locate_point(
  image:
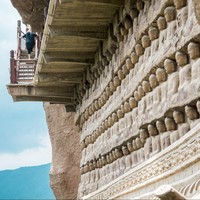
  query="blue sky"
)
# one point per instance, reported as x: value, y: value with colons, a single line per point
x: 24, y: 137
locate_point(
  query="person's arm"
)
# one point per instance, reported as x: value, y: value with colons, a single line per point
x: 23, y: 36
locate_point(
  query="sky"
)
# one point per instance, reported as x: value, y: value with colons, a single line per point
x: 24, y: 139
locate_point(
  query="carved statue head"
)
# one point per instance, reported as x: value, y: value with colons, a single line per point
x: 170, y: 65
x: 134, y: 144
x: 181, y: 58
x: 130, y: 146
x: 170, y: 124
x: 161, y: 75
x: 193, y: 50
x: 160, y: 126
x: 161, y: 22
x: 191, y: 112
x: 170, y: 13
x: 178, y: 117
x: 138, y: 143
x: 126, y: 107
x: 125, y: 150
x: 152, y: 130
x: 153, y: 80
x: 132, y: 102
x: 118, y: 153
x: 146, y: 86
x: 143, y: 135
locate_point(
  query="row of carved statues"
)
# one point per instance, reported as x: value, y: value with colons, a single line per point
x: 155, y: 35
x: 177, y: 76
x: 181, y: 58
x: 152, y: 138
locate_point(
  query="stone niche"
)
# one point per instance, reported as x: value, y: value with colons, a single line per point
x: 65, y: 170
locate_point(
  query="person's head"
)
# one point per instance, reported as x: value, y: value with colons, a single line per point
x: 27, y: 30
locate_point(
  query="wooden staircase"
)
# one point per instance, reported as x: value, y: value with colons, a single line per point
x: 22, y: 69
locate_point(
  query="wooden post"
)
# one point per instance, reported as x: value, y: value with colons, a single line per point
x: 13, y: 72
x: 45, y: 15
x: 18, y: 38
x: 36, y: 47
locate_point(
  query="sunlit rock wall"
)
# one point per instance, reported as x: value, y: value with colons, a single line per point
x: 65, y: 169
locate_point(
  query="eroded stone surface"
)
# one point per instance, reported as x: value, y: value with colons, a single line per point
x: 152, y: 94
x: 65, y: 171
x: 197, y: 9
x: 32, y: 12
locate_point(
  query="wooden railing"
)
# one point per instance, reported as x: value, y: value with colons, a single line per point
x: 23, y: 69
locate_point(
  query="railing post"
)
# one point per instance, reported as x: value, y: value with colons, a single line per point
x: 36, y: 47
x: 13, y: 72
x: 18, y: 38
x: 45, y: 15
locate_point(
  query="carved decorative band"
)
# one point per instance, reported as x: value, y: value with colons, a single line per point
x: 154, y: 137
x: 183, y: 153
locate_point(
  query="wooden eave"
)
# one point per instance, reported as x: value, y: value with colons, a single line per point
x: 72, y: 35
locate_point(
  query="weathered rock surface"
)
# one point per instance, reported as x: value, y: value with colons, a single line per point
x: 65, y: 171
x: 197, y: 9
x: 32, y: 12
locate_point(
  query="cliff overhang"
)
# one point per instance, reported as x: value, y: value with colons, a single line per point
x: 32, y: 12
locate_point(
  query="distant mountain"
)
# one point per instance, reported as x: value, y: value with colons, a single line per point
x: 26, y: 183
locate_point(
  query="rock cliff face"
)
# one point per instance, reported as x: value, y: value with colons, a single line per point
x: 65, y: 171
x: 32, y: 12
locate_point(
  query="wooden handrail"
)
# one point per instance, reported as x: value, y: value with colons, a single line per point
x: 23, y: 70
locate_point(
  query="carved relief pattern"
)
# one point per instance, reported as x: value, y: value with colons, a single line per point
x: 180, y: 156
x: 145, y: 89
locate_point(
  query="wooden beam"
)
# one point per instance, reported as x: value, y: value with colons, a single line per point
x: 71, y: 60
x: 95, y: 2
x: 30, y: 90
x: 62, y: 67
x: 82, y: 34
x: 57, y: 84
x: 53, y: 69
x: 68, y: 54
x: 60, y: 77
x: 54, y: 100
x: 77, y: 28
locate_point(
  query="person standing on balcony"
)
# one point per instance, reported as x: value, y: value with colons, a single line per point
x: 30, y: 41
